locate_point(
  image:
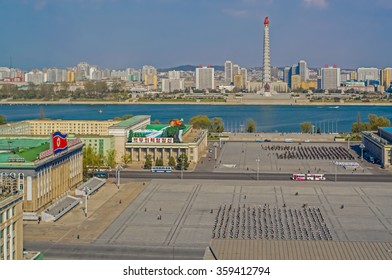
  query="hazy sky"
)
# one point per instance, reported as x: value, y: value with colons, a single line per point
x: 164, y: 33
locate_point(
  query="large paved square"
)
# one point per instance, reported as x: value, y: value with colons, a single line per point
x: 182, y: 212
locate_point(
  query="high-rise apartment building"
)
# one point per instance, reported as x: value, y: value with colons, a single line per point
x: 295, y: 82
x: 275, y: 73
x: 151, y: 80
x: 228, y: 71
x: 330, y: 78
x: 84, y: 69
x: 386, y: 75
x: 205, y: 78
x: 171, y: 85
x: 238, y: 81
x: 303, y: 70
x: 236, y: 70
x: 286, y: 75
x: 134, y: 75
x: 35, y: 77
x: 174, y: 75
x: 148, y: 70
x: 353, y: 75
x: 368, y: 74
x: 244, y: 74
x: 70, y: 76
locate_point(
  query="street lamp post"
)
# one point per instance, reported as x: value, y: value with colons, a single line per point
x: 118, y: 169
x: 348, y: 141
x: 85, y: 199
x: 258, y: 163
x: 215, y: 150
x: 362, y: 146
x: 182, y: 166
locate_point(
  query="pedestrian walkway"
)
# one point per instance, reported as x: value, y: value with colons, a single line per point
x: 103, y: 207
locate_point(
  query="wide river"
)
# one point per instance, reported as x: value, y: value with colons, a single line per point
x: 268, y: 118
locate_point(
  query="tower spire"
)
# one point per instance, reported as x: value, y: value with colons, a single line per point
x: 266, y: 58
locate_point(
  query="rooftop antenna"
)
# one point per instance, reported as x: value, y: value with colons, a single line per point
x: 10, y: 62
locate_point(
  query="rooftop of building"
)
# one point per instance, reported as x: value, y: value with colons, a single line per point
x: 75, y: 121
x: 131, y: 121
x: 22, y: 149
x: 161, y: 126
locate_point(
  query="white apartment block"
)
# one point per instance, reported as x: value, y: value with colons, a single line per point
x: 228, y: 71
x: 368, y: 73
x: 330, y: 78
x: 205, y: 78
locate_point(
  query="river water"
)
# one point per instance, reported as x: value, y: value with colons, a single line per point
x: 269, y: 118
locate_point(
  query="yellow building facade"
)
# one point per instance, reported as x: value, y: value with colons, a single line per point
x: 295, y: 82
x: 11, y: 221
x: 238, y: 81
x: 78, y: 127
x: 151, y: 80
x: 194, y: 145
x: 70, y: 76
x: 41, y: 174
x: 309, y: 84
x: 386, y: 74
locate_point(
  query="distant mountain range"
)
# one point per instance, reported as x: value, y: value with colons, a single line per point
x: 189, y: 68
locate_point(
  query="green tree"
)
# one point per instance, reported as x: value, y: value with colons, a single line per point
x: 3, y: 119
x: 47, y: 91
x: 110, y: 158
x: 200, y: 122
x: 182, y: 161
x: 158, y: 162
x: 64, y: 86
x: 101, y: 87
x: 374, y: 123
x: 89, y: 87
x: 216, y: 125
x: 172, y: 161
x: 148, y: 162
x: 126, y: 158
x: 9, y: 89
x: 306, y: 127
x: 127, y: 116
x: 155, y: 122
x: 91, y: 160
x: 116, y: 86
x: 250, y: 126
x: 378, y: 121
x: 130, y: 135
x: 358, y: 127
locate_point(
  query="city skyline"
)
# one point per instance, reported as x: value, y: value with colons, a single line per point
x: 166, y: 33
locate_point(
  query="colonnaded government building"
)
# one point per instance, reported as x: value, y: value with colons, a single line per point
x: 135, y: 136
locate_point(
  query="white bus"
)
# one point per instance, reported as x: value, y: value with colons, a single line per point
x: 161, y: 169
x: 298, y: 177
x: 315, y: 177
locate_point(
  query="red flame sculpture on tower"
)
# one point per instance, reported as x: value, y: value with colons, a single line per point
x: 266, y: 21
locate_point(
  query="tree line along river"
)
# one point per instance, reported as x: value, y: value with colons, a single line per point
x: 269, y: 118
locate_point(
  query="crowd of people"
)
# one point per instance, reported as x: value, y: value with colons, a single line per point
x: 309, y: 152
x: 270, y: 223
